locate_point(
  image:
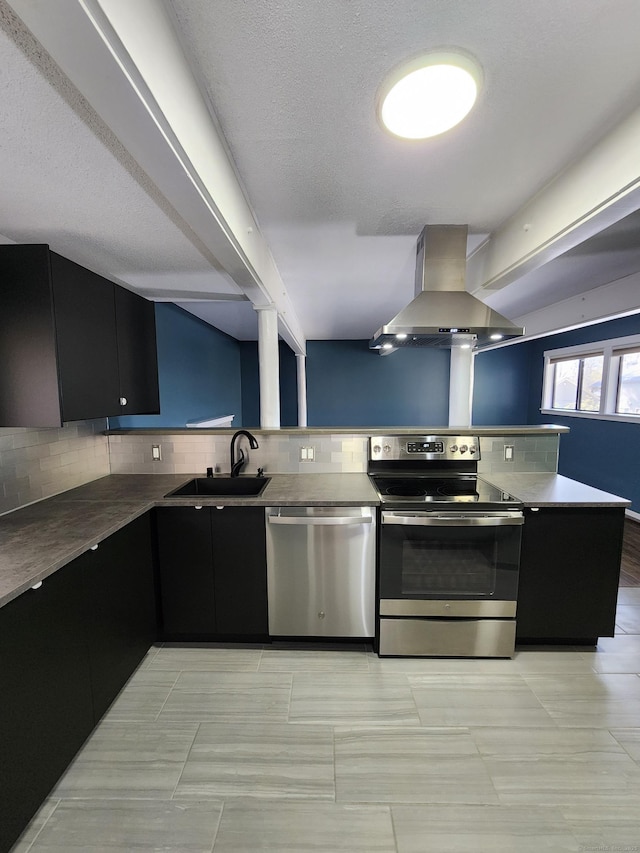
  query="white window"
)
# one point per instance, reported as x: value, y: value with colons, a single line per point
x: 598, y: 380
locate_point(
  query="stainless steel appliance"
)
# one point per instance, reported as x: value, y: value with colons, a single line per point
x: 321, y: 571
x: 449, y: 549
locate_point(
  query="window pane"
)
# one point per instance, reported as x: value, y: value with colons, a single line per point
x: 628, y: 402
x: 591, y: 383
x: 565, y: 384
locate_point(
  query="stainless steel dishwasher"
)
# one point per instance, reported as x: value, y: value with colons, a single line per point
x: 321, y: 571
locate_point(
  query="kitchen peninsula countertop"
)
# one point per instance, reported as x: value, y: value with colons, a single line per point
x: 38, y: 539
x: 553, y: 490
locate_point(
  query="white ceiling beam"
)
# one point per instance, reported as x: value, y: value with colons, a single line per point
x: 597, y: 190
x: 126, y: 60
x: 616, y: 299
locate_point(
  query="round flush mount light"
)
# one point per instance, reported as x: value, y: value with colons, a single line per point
x: 429, y: 94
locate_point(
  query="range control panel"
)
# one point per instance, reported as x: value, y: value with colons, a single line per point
x: 426, y: 447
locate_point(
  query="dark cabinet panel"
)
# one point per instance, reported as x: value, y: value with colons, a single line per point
x: 72, y: 344
x: 86, y: 337
x: 569, y: 571
x: 187, y: 592
x: 66, y: 650
x: 239, y: 561
x: 119, y: 585
x: 137, y: 354
x: 29, y: 394
x: 46, y: 710
x: 212, y: 569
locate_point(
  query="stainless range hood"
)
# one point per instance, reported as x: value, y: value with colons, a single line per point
x: 443, y: 314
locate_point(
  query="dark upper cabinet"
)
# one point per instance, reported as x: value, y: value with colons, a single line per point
x: 73, y: 346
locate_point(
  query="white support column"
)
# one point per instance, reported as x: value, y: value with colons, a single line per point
x: 301, y: 362
x: 268, y: 363
x: 460, y: 387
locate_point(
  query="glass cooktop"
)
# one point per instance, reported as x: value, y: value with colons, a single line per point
x: 418, y: 489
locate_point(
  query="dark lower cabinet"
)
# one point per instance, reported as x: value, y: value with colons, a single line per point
x: 46, y: 710
x: 569, y: 573
x: 66, y: 650
x: 187, y: 593
x: 212, y: 572
x: 120, y: 601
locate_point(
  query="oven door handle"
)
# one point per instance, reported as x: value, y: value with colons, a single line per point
x: 462, y: 520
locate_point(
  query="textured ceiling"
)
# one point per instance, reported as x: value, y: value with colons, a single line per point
x: 293, y: 85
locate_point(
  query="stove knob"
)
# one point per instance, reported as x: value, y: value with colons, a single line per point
x: 473, y: 448
x: 387, y: 448
x: 463, y: 448
x: 454, y: 448
x: 376, y: 448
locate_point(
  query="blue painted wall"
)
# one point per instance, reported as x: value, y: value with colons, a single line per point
x: 501, y: 387
x: 199, y: 371
x: 604, y: 454
x: 349, y: 385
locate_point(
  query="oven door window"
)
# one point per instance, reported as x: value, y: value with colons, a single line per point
x: 449, y: 562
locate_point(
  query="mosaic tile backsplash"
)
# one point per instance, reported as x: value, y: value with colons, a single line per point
x: 39, y: 463
x: 337, y: 453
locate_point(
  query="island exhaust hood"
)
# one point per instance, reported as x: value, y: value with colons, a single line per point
x: 443, y: 314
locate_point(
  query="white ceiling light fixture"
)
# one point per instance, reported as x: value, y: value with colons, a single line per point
x: 429, y: 94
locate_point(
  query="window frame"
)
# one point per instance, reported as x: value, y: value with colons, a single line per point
x: 612, y: 351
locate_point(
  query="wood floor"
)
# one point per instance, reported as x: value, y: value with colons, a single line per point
x: 630, y: 566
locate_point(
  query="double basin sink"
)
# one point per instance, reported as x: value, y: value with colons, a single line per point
x: 221, y: 487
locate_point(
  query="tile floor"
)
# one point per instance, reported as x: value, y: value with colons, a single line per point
x: 235, y: 750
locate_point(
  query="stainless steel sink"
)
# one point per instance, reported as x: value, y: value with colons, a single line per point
x: 221, y: 486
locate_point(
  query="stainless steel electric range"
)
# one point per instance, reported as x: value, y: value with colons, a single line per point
x: 449, y: 549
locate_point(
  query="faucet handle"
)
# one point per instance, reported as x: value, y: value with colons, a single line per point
x: 260, y: 472
x: 209, y: 472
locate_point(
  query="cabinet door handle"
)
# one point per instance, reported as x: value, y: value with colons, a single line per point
x: 94, y: 548
x: 123, y: 401
x: 197, y: 507
x: 219, y: 507
x: 535, y: 509
x: 37, y: 585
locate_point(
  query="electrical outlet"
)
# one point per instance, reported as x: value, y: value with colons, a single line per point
x: 508, y: 453
x: 307, y: 454
x: 156, y: 452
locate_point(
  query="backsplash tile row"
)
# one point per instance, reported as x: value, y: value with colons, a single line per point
x: 39, y: 463
x: 337, y: 453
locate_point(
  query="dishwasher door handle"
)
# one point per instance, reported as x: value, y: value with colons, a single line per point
x: 313, y: 520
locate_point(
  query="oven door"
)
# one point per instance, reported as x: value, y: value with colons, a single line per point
x: 449, y: 563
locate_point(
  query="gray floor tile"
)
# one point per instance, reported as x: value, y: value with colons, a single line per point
x: 260, y: 760
x: 481, y: 829
x: 410, y: 765
x: 304, y: 828
x: 629, y: 595
x: 126, y: 825
x: 557, y: 766
x: 230, y: 696
x: 602, y: 700
x: 352, y: 698
x: 611, y: 828
x: 628, y: 618
x: 23, y: 845
x: 144, y: 695
x: 611, y: 662
x: 299, y: 660
x: 629, y: 739
x: 122, y: 760
x: 476, y: 700
x: 215, y: 658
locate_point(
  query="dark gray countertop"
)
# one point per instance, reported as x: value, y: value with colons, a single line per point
x: 553, y: 490
x: 38, y: 539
